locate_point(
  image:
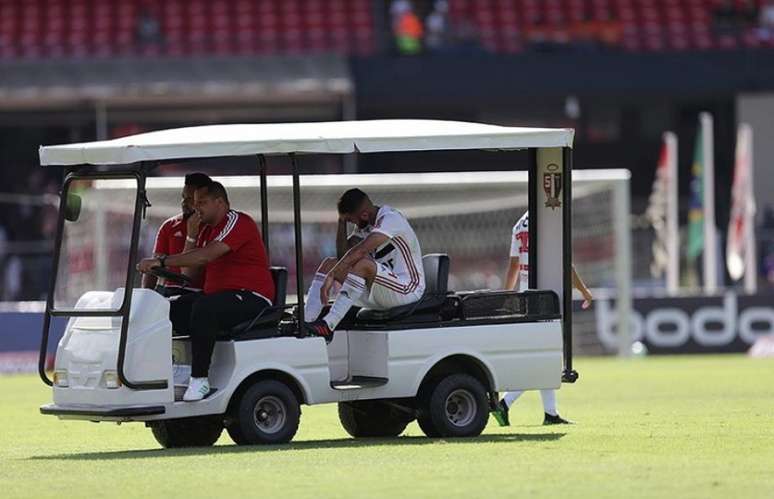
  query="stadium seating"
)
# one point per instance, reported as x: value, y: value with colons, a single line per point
x: 633, y: 25
x: 106, y: 28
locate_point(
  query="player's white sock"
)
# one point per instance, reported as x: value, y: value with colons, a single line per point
x: 354, y: 286
x: 313, y: 305
x: 549, y: 401
x: 511, y: 397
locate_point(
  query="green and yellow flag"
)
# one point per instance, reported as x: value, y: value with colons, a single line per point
x: 696, y: 209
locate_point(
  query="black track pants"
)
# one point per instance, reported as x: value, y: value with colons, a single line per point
x: 204, y: 316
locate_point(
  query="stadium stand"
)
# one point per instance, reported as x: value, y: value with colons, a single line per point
x: 106, y: 28
x: 632, y: 25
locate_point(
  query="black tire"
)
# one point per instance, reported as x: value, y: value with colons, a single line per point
x: 267, y: 413
x: 458, y: 406
x: 187, y: 432
x: 426, y: 425
x: 424, y: 420
x: 235, y: 432
x: 372, y: 418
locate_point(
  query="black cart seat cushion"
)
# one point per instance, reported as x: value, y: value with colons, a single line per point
x: 270, y: 317
x: 436, y: 266
x: 280, y: 277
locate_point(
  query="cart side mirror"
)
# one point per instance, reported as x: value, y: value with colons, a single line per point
x: 72, y: 209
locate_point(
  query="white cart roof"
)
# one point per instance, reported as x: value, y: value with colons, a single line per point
x: 333, y: 137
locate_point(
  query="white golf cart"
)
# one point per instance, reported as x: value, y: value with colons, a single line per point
x: 440, y: 361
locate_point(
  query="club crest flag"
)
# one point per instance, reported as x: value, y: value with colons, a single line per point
x: 739, y: 239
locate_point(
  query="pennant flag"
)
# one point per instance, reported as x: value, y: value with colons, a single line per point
x: 740, y: 238
x: 657, y: 213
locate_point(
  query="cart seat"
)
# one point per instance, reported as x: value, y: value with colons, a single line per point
x: 264, y: 324
x: 436, y: 266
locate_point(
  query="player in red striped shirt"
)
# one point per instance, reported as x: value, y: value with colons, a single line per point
x: 379, y: 266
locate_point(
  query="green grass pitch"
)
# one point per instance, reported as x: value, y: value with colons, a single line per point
x: 652, y: 427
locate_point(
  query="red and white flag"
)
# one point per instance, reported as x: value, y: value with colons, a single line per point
x: 662, y: 214
x: 740, y: 243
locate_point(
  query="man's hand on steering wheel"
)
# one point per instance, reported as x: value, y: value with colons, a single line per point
x: 154, y: 266
x: 146, y: 264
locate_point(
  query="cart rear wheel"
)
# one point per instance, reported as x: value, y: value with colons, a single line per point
x: 456, y: 407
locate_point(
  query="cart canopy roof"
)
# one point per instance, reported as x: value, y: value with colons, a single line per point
x: 332, y: 137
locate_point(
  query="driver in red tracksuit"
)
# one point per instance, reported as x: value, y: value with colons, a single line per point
x: 237, y: 281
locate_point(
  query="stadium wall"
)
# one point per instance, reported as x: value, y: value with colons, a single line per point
x: 20, y: 340
x: 727, y: 323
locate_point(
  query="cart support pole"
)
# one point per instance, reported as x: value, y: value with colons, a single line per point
x: 299, y: 245
x: 43, y: 354
x: 569, y: 375
x: 264, y: 204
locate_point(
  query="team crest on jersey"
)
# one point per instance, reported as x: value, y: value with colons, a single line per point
x: 552, y: 185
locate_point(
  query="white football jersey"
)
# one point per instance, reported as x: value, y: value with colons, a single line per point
x: 401, y: 255
x: 520, y: 249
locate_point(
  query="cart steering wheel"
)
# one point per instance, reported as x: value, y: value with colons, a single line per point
x: 168, y: 274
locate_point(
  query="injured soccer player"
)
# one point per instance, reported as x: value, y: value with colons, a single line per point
x: 379, y: 266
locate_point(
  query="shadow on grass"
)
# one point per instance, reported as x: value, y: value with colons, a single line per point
x: 342, y: 443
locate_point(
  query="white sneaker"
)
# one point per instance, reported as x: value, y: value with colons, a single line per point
x: 180, y: 374
x: 198, y: 388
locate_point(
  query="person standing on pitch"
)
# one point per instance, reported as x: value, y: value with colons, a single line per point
x: 518, y: 273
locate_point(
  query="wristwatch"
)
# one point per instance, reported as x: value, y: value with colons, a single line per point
x: 162, y: 259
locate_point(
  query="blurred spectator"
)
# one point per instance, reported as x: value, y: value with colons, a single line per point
x: 148, y: 28
x: 399, y: 7
x: 766, y: 21
x: 748, y: 13
x: 725, y: 12
x: 437, y: 26
x: 466, y: 37
x: 12, y: 279
x: 406, y: 27
x: 731, y: 19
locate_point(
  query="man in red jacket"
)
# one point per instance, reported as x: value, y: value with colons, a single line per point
x: 237, y: 281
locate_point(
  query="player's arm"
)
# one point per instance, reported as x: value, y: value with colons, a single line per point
x: 198, y: 257
x: 578, y: 284
x: 357, y: 253
x: 344, y: 243
x: 512, y: 276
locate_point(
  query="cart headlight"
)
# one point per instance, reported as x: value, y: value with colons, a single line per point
x: 60, y: 379
x: 112, y: 380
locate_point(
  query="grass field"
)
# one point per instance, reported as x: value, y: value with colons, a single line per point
x: 655, y: 427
